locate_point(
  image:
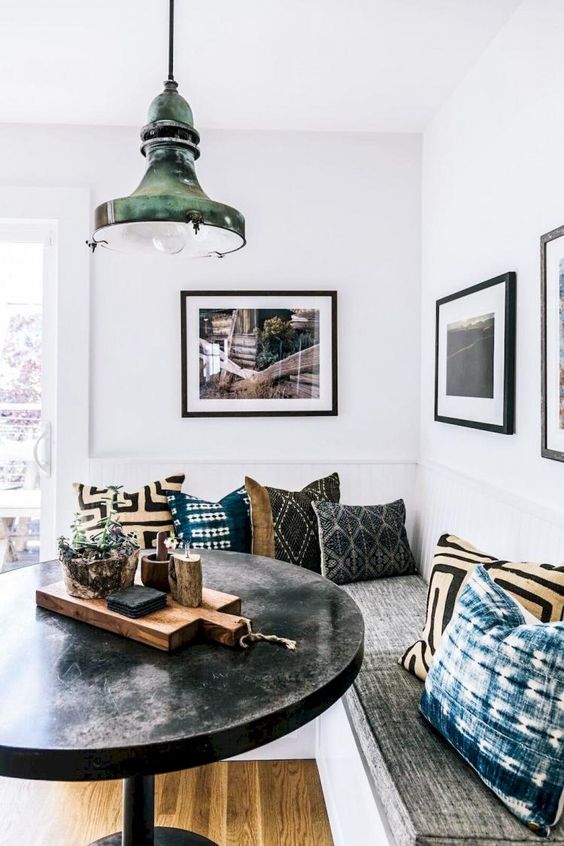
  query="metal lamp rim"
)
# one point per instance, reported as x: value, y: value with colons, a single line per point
x: 101, y: 242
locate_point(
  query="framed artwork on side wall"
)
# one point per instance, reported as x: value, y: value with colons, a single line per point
x: 475, y: 356
x: 552, y: 339
x: 259, y: 353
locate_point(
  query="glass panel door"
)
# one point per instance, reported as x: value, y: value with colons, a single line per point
x: 24, y: 432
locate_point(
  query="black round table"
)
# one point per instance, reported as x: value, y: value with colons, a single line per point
x: 81, y: 704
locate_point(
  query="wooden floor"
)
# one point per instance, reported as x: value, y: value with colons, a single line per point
x: 254, y: 803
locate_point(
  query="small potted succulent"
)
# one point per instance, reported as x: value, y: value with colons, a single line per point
x: 98, y: 565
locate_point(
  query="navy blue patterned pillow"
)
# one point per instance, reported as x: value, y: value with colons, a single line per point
x: 213, y: 525
x: 495, y: 690
x: 362, y: 542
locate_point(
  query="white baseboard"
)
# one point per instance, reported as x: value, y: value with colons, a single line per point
x: 363, y: 482
x: 354, y: 814
x: 298, y: 745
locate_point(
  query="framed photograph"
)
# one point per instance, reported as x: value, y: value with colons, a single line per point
x: 475, y: 356
x: 552, y: 344
x: 259, y: 353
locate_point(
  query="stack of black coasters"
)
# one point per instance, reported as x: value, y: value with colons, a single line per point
x: 136, y: 601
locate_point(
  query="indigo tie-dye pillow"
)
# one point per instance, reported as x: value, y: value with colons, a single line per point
x: 495, y: 690
x: 213, y: 525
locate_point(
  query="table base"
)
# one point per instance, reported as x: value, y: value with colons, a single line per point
x: 163, y: 837
x: 139, y: 820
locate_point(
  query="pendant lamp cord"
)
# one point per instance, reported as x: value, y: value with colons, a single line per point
x: 171, y: 40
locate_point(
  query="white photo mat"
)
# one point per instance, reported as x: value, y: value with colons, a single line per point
x: 486, y: 301
x: 324, y: 303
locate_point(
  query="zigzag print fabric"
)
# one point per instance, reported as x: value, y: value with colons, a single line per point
x: 496, y: 692
x: 538, y: 587
x: 144, y: 512
x: 284, y: 523
x: 213, y: 525
x: 361, y: 542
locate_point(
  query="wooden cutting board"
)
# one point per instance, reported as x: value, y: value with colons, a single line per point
x: 174, y: 626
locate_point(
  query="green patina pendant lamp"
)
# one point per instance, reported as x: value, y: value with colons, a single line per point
x: 169, y: 212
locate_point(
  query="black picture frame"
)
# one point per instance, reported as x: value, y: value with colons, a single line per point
x: 507, y: 427
x: 546, y: 451
x: 330, y: 412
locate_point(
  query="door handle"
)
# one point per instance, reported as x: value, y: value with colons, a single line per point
x: 45, y: 436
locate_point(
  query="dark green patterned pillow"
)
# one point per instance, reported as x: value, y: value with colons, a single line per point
x: 284, y: 523
x: 362, y: 542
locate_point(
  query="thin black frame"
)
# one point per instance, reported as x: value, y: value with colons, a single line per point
x: 332, y: 412
x: 508, y: 425
x: 546, y: 452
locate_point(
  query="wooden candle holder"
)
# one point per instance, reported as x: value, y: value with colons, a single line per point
x: 185, y: 579
x: 154, y: 567
x: 154, y: 573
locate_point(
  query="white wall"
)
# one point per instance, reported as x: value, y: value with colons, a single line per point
x: 493, y: 176
x: 333, y: 211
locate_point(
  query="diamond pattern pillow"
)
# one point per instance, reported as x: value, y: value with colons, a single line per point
x: 496, y: 692
x: 284, y: 524
x: 362, y: 542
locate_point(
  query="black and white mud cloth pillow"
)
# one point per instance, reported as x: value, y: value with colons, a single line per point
x: 538, y: 587
x: 362, y: 542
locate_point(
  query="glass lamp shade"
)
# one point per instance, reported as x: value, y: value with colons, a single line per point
x: 169, y: 211
x: 169, y: 237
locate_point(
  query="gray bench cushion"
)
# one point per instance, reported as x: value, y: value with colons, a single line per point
x: 430, y: 795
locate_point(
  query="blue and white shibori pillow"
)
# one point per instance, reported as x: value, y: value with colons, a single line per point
x: 213, y: 525
x: 495, y: 690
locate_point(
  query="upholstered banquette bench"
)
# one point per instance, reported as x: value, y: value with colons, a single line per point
x: 428, y: 794
x: 389, y: 779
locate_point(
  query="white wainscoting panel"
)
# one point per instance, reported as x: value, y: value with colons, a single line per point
x: 491, y: 518
x: 362, y: 482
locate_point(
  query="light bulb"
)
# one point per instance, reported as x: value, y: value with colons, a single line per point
x: 170, y: 238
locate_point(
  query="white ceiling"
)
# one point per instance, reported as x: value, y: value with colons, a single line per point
x: 358, y: 65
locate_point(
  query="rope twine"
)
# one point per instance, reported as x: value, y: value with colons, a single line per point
x: 253, y: 637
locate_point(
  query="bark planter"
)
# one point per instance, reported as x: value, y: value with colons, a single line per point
x: 96, y: 578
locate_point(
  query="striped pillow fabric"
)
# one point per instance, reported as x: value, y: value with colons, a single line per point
x: 538, y: 587
x: 495, y: 691
x: 144, y: 512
